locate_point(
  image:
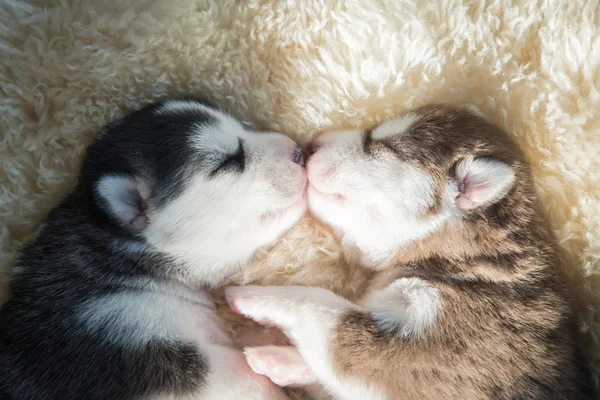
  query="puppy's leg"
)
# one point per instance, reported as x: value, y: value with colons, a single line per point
x: 309, y: 316
x: 305, y: 314
x: 312, y: 317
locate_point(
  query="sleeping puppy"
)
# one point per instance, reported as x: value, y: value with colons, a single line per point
x: 468, y: 302
x: 108, y: 298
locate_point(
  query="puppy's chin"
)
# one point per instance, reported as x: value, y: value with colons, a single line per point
x: 326, y: 209
x: 283, y: 219
x: 296, y: 211
x: 322, y: 206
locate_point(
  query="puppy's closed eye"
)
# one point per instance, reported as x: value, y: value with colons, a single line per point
x: 235, y: 162
x: 374, y: 147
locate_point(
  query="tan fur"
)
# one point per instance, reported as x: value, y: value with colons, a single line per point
x: 506, y: 322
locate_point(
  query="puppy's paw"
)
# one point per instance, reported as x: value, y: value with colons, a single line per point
x: 301, y: 312
x: 259, y: 304
x: 282, y: 364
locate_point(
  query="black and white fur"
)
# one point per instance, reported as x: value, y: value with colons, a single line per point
x: 108, y: 299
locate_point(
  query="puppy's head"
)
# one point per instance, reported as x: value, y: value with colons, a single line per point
x: 394, y: 184
x: 190, y: 181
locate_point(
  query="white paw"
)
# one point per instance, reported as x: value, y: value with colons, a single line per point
x: 261, y: 304
x: 303, y: 313
x: 409, y: 304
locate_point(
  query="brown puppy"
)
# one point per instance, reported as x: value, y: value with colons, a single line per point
x: 468, y: 302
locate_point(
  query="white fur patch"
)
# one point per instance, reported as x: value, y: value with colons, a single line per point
x: 395, y: 126
x: 408, y: 304
x: 212, y: 137
x: 175, y: 106
x: 131, y: 318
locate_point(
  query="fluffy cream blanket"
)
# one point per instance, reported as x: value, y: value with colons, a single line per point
x: 533, y: 67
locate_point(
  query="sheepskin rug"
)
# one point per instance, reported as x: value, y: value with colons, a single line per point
x: 299, y: 67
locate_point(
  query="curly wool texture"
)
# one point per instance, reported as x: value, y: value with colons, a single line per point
x: 301, y: 67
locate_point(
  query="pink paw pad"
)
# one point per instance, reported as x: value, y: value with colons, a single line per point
x: 282, y: 364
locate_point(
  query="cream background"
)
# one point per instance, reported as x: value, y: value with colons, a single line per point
x: 69, y: 67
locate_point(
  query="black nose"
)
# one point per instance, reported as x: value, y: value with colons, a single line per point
x: 298, y: 157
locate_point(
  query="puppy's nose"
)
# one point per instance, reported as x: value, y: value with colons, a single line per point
x: 298, y: 156
x: 313, y: 147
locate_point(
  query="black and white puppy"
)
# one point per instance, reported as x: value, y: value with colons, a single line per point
x: 108, y: 298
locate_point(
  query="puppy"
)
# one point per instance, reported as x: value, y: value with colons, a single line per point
x: 108, y: 298
x: 468, y: 302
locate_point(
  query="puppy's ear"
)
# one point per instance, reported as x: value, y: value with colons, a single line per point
x: 481, y: 181
x: 126, y: 199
